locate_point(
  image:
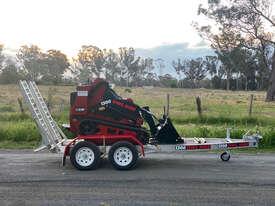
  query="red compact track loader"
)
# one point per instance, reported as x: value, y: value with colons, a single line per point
x: 97, y: 110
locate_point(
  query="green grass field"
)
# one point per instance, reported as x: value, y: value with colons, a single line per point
x: 221, y: 109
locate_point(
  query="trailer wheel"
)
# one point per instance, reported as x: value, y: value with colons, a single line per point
x: 123, y: 155
x: 225, y: 156
x: 85, y: 156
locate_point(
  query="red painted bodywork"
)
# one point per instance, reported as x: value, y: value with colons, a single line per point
x: 95, y: 91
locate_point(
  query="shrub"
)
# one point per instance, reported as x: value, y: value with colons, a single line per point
x: 128, y: 90
x: 6, y: 108
x: 19, y: 132
x: 14, y: 116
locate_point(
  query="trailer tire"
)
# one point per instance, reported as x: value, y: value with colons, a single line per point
x: 85, y: 156
x: 225, y: 156
x: 123, y: 155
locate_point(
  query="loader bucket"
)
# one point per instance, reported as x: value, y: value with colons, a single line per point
x: 164, y: 131
x: 168, y: 134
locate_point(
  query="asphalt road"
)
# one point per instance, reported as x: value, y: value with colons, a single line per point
x: 28, y: 178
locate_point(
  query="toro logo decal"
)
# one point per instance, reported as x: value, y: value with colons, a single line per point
x: 179, y: 147
x: 131, y: 108
x: 105, y: 102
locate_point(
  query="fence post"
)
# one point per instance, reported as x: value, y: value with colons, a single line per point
x: 20, y: 105
x: 250, y: 104
x: 167, y: 104
x: 198, y: 102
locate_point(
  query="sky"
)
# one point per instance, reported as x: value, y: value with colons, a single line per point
x: 68, y: 24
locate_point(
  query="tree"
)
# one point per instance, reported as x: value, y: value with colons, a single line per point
x: 2, y: 57
x: 10, y: 74
x: 168, y: 81
x: 262, y: 72
x: 111, y: 65
x: 160, y: 64
x: 129, y: 63
x: 233, y: 61
x: 211, y: 64
x: 57, y: 63
x: 151, y: 79
x: 144, y: 69
x: 194, y: 69
x: 91, y: 59
x: 178, y: 66
x: 32, y: 61
x: 252, y: 22
x: 224, y: 43
x: 215, y: 69
x: 246, y: 68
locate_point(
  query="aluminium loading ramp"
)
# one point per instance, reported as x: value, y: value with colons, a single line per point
x: 52, y: 135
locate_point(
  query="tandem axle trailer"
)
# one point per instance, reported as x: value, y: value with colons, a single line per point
x: 122, y: 150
